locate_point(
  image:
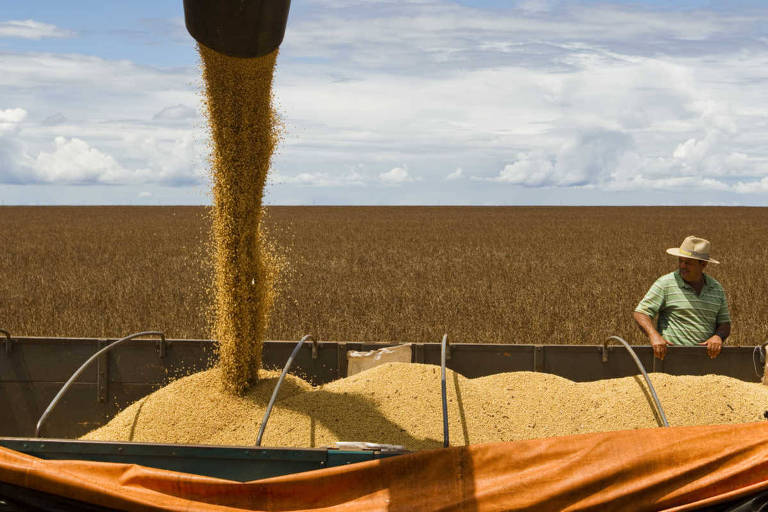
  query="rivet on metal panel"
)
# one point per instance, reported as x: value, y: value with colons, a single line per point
x: 8, y: 341
x: 538, y: 358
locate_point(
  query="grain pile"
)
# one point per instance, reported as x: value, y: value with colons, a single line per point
x: 244, y: 132
x: 399, y: 403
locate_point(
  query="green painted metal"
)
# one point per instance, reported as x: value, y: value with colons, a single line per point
x: 240, y: 463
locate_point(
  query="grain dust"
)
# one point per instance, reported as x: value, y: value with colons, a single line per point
x: 400, y: 403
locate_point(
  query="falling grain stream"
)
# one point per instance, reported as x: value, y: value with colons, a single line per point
x: 244, y: 132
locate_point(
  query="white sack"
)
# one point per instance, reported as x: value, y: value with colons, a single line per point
x: 359, y: 361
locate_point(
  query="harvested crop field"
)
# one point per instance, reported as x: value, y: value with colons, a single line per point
x: 481, y: 274
x: 399, y: 403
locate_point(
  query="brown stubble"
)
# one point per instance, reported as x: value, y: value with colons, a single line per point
x: 244, y: 132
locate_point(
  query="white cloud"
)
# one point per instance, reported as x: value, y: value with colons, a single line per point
x: 319, y: 179
x: 54, y: 119
x: 675, y: 183
x: 90, y: 88
x: 145, y: 194
x: 176, y: 161
x: 10, y: 146
x: 176, y: 112
x: 572, y: 100
x: 710, y: 156
x: 396, y: 176
x: 74, y: 161
x: 98, y: 122
x: 10, y: 119
x: 533, y: 169
x: 425, y: 34
x: 610, y: 161
x: 534, y: 6
x: 753, y: 187
x: 692, y: 150
x: 587, y: 160
x: 31, y: 29
x: 455, y: 175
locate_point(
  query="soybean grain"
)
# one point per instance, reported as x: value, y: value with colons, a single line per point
x: 399, y: 403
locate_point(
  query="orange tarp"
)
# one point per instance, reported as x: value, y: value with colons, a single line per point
x: 654, y: 469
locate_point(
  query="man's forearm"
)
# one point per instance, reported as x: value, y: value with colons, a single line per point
x: 723, y: 330
x: 645, y: 323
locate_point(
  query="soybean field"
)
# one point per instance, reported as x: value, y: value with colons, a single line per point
x: 566, y: 275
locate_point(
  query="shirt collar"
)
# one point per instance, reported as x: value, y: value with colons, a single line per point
x: 682, y: 284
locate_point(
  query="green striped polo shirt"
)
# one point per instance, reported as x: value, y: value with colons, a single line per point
x: 684, y: 317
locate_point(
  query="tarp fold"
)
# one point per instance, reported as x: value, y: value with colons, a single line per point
x: 674, y: 469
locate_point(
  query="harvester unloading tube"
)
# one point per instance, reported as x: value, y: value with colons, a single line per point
x: 238, y: 28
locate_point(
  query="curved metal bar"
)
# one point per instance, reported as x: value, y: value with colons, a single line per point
x: 82, y: 368
x: 443, y: 390
x: 759, y: 349
x: 645, y: 375
x: 277, y: 387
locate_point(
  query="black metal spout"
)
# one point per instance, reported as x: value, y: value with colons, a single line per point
x: 238, y: 28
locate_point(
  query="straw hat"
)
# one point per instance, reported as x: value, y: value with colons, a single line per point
x: 693, y: 247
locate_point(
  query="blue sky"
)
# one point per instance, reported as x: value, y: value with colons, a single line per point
x: 400, y: 102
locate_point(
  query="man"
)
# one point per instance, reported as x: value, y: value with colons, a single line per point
x: 691, y: 306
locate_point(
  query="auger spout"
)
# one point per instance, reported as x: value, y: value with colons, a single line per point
x: 238, y: 28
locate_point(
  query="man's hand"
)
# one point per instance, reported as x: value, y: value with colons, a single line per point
x: 659, y: 345
x: 658, y: 342
x: 714, y: 344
